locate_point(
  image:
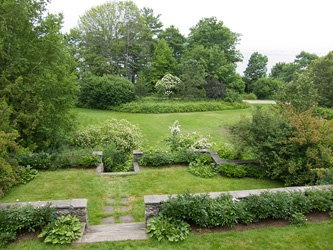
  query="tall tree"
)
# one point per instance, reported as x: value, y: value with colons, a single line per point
x: 209, y: 32
x: 36, y: 84
x: 163, y: 62
x: 113, y: 38
x: 214, y: 46
x: 175, y: 40
x: 256, y: 68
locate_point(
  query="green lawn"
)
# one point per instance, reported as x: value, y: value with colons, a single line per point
x: 155, y: 126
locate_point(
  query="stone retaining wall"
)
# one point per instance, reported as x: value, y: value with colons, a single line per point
x: 75, y: 207
x: 153, y: 202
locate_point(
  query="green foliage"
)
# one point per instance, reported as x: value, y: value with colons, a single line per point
x: 163, y: 158
x: 225, y: 151
x: 193, y: 79
x: 232, y: 170
x: 298, y: 219
x: 163, y: 62
x: 105, y: 91
x: 202, y: 168
x: 266, y: 88
x: 175, y: 41
x: 23, y: 218
x: 36, y: 75
x: 321, y: 72
x: 176, y: 106
x: 300, y: 92
x: 256, y: 69
x: 250, y: 96
x: 125, y: 50
x: 26, y: 174
x: 124, y: 135
x: 62, y: 231
x: 216, y: 89
x: 233, y: 96
x: 325, y: 113
x: 292, y: 147
x: 8, y: 165
x: 114, y: 159
x: 226, y: 211
x: 326, y: 178
x: 162, y: 227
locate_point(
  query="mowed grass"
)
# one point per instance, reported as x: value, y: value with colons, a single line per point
x: 155, y: 127
x: 313, y: 236
x: 81, y: 183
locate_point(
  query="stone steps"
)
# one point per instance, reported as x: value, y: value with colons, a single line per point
x: 114, y: 232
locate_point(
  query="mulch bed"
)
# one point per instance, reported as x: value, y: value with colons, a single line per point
x: 312, y: 217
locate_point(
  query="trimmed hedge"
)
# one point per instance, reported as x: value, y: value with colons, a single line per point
x: 176, y: 106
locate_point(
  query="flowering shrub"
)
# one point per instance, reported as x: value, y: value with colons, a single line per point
x: 178, y: 141
x: 123, y: 134
x: 168, y: 85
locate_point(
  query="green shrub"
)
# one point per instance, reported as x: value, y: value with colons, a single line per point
x: 124, y: 135
x: 249, y: 96
x: 26, y: 174
x: 114, y: 159
x: 292, y: 147
x: 176, y: 106
x: 254, y: 171
x: 62, y: 231
x: 298, y: 219
x: 23, y: 218
x: 104, y: 92
x: 320, y: 200
x: 225, y: 151
x: 232, y: 170
x: 6, y: 238
x: 327, y: 178
x: 325, y: 113
x: 202, y: 168
x: 42, y: 161
x: 162, y: 227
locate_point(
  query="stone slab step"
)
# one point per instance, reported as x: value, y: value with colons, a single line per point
x: 114, y: 232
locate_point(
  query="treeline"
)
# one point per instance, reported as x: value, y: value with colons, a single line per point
x: 306, y: 82
x: 118, y: 38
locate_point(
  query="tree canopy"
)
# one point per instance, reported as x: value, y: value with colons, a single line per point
x: 37, y: 82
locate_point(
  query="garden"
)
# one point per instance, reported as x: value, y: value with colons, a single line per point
x: 68, y: 108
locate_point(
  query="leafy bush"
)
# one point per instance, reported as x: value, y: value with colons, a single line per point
x: 42, y: 160
x: 249, y: 96
x: 232, y: 170
x: 292, y: 147
x: 168, y: 85
x: 225, y: 151
x: 325, y: 113
x: 202, y: 168
x: 226, y: 211
x: 113, y: 159
x: 254, y: 171
x: 124, y: 135
x: 106, y: 91
x: 26, y: 174
x: 326, y: 178
x: 162, y: 227
x: 176, y: 106
x: 23, y: 218
x: 298, y: 219
x: 8, y: 165
x: 62, y: 231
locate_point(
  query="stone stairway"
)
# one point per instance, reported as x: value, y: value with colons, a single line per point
x: 114, y: 232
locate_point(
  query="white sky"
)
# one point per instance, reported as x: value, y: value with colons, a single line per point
x: 279, y: 29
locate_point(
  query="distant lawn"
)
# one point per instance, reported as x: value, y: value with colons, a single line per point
x: 81, y: 183
x: 155, y: 126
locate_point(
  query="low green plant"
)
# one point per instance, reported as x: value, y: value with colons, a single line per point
x: 225, y: 151
x: 114, y: 159
x: 161, y: 227
x: 176, y: 106
x: 298, y: 219
x: 163, y: 158
x: 232, y: 170
x: 6, y: 238
x: 24, y: 218
x: 26, y: 174
x: 202, y: 169
x: 62, y: 231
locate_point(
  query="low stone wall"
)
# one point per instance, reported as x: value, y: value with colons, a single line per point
x: 75, y: 207
x: 153, y: 202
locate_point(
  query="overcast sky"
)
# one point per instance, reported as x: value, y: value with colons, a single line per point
x: 279, y: 29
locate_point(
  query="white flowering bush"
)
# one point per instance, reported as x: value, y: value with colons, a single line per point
x: 177, y: 141
x: 168, y: 85
x: 124, y: 135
